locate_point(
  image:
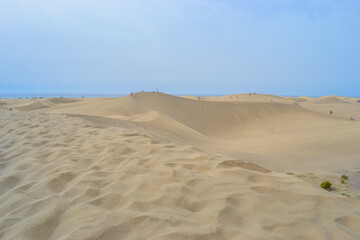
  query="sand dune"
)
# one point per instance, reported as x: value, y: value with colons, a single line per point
x: 330, y: 99
x: 214, y: 119
x: 156, y: 166
x: 283, y: 134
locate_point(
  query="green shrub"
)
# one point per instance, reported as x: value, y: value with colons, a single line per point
x: 344, y: 177
x: 289, y: 173
x: 342, y: 181
x: 326, y: 185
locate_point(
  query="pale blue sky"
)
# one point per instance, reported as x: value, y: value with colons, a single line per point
x: 284, y: 47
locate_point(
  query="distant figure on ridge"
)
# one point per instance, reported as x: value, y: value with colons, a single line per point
x: 132, y: 94
x: 330, y: 112
x: 352, y: 118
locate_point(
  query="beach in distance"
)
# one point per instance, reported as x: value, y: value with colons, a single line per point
x: 150, y: 165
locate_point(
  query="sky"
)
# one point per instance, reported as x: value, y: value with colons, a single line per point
x: 282, y: 47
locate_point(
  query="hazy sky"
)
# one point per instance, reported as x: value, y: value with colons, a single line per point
x: 285, y: 47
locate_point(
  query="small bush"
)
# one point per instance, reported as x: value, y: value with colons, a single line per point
x: 326, y: 185
x: 342, y: 181
x: 289, y: 173
x: 344, y: 177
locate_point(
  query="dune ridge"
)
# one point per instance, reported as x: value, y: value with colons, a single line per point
x: 277, y: 134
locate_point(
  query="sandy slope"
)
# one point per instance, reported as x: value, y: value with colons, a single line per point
x: 155, y: 166
x: 283, y: 134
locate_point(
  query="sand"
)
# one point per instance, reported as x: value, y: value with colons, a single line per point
x: 156, y: 166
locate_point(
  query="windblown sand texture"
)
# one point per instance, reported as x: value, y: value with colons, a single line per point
x: 156, y: 166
